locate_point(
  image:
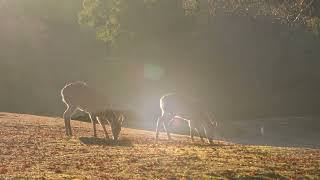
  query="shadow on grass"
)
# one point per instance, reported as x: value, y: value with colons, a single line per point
x: 105, y: 142
x: 212, y: 145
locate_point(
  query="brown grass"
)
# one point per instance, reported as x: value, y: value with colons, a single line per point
x: 35, y: 147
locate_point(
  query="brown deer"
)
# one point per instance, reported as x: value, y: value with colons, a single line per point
x: 191, y: 110
x: 79, y: 96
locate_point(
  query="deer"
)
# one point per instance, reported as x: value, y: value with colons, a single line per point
x: 79, y: 96
x: 177, y: 106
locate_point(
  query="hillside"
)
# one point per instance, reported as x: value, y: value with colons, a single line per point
x: 35, y: 147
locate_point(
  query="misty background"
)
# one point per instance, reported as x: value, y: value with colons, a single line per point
x: 245, y: 69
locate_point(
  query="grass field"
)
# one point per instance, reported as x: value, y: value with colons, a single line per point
x: 35, y: 147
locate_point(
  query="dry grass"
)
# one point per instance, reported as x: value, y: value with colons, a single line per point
x: 35, y: 147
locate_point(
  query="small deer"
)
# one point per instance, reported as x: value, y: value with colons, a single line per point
x: 175, y: 106
x: 79, y: 96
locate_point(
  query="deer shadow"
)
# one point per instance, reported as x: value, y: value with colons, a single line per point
x: 105, y: 142
x: 214, y: 145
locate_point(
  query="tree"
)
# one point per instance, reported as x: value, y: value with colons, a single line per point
x: 104, y: 15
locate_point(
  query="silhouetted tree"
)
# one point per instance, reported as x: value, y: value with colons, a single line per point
x: 105, y: 15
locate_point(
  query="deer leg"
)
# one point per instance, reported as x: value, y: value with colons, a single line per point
x: 103, y: 127
x: 93, y: 121
x: 166, y: 128
x: 159, y: 121
x: 210, y: 140
x: 191, y: 131
x: 201, y: 137
x: 164, y: 120
x: 209, y: 130
x: 166, y: 125
x: 200, y: 132
x: 105, y: 131
x: 67, y: 118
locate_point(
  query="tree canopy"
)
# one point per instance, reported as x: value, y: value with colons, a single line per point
x: 106, y: 16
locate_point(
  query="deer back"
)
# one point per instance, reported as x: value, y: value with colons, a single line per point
x: 79, y: 94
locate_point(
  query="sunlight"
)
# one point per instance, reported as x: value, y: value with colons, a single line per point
x: 159, y: 89
x: 153, y: 72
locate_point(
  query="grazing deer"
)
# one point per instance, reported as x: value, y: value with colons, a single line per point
x: 178, y: 106
x: 79, y: 96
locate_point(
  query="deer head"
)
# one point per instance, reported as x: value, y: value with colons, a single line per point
x: 116, y: 124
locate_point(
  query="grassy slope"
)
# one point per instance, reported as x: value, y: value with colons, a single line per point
x: 33, y: 146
